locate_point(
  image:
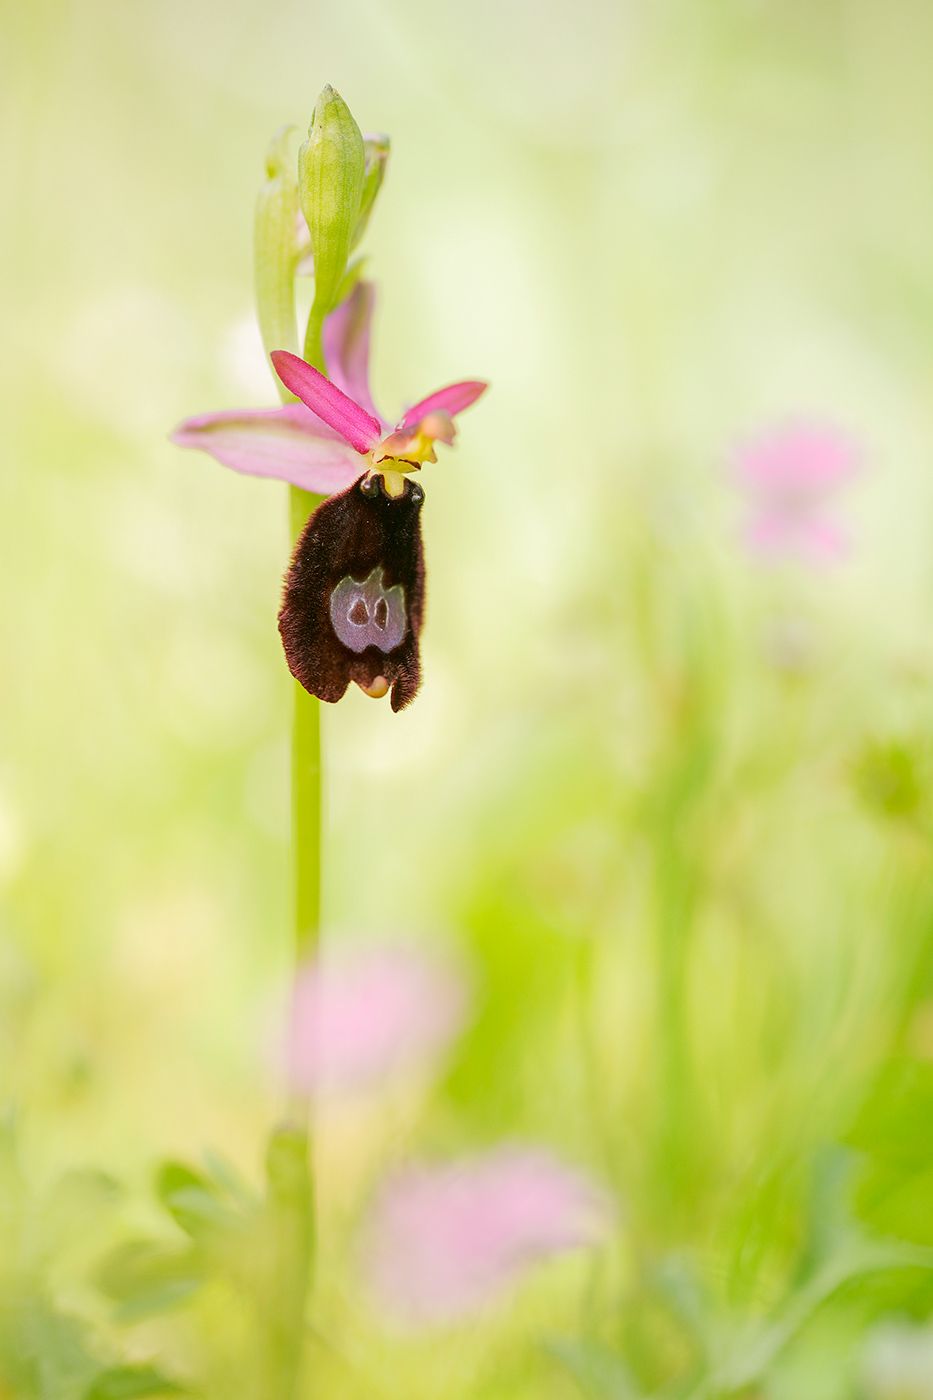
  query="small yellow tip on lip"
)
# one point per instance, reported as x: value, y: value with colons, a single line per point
x: 376, y: 690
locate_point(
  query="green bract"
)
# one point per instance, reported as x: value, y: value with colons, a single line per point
x: 276, y: 248
x: 377, y: 155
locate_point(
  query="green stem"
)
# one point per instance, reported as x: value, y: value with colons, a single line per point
x: 289, y: 1230
x: 289, y: 1205
x: 314, y: 349
x: 289, y: 1167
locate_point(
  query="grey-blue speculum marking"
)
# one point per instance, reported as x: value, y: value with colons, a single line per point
x: 367, y: 614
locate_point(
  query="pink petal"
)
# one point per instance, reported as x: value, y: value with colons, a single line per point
x: 437, y: 426
x: 346, y: 345
x: 359, y: 428
x: 290, y: 444
x: 443, y: 1239
x: 454, y: 399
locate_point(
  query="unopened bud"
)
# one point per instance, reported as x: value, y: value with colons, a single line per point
x: 331, y: 172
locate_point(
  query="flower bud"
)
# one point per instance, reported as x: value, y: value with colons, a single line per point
x: 331, y: 172
x: 275, y: 248
x: 377, y: 157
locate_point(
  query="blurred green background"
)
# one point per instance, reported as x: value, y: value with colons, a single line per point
x: 670, y: 807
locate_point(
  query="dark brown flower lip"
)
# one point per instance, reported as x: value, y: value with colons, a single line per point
x: 360, y: 550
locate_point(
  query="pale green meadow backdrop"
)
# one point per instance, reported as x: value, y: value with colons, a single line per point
x: 658, y: 229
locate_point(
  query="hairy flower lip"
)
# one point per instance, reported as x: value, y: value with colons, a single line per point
x: 372, y: 526
x: 324, y: 442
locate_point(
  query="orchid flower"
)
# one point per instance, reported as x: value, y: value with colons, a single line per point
x: 787, y: 474
x: 328, y: 440
x: 354, y: 593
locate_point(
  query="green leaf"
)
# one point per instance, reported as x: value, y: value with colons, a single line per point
x: 129, y: 1382
x: 176, y: 1176
x: 146, y: 1278
x: 678, y: 1284
x: 895, y: 1189
x: 887, y: 778
x: 894, y: 1123
x: 74, y: 1208
x: 597, y: 1370
x: 43, y: 1352
x: 191, y: 1199
x: 12, y: 1188
x: 227, y: 1179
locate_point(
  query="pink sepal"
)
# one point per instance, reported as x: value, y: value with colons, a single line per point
x: 290, y: 444
x: 357, y: 427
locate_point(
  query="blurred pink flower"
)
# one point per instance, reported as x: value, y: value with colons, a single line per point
x: 358, y: 1017
x: 787, y: 474
x: 442, y: 1239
